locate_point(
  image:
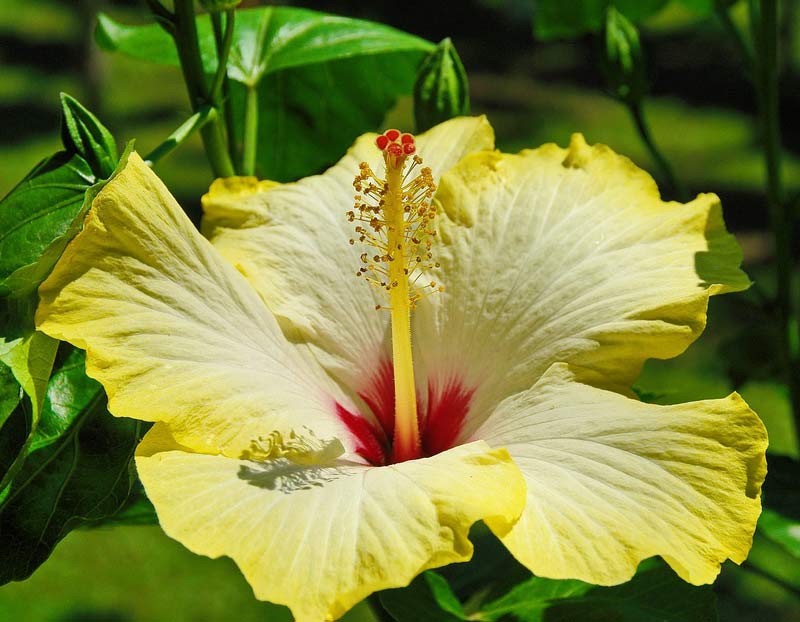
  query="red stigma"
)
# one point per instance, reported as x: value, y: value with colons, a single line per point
x: 396, y: 145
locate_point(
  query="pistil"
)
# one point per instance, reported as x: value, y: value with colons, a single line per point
x: 397, y: 215
x: 406, y: 445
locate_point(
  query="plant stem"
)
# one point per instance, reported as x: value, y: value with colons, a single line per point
x: 250, y: 131
x: 764, y: 25
x: 224, y: 39
x: 197, y: 121
x: 194, y: 76
x: 637, y: 112
x: 223, y: 51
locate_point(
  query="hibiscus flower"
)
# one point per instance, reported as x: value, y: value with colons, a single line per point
x: 332, y: 421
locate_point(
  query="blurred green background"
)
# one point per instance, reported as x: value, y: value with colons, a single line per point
x: 702, y: 113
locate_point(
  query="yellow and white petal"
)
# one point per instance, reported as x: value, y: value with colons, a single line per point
x: 172, y: 331
x: 567, y: 255
x: 612, y: 481
x: 320, y: 538
x: 292, y: 243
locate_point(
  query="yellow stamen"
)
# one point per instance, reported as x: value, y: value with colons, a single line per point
x: 398, y: 224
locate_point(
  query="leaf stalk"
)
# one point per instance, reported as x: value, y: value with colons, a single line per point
x: 185, y: 35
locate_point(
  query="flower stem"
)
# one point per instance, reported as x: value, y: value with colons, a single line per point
x: 250, y: 131
x: 185, y: 35
x: 197, y: 121
x: 764, y: 25
x: 637, y: 113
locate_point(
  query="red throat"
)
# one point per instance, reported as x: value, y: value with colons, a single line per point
x: 441, y: 419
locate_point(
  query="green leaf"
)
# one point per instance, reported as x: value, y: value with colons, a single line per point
x: 137, y: 510
x: 302, y: 133
x: 37, y: 220
x: 82, y: 133
x: 37, y: 215
x: 529, y: 600
x: 266, y: 40
x: 271, y: 39
x: 490, y: 573
x: 655, y: 593
x: 78, y: 470
x: 558, y: 19
x: 10, y: 394
x: 30, y: 361
x: 146, y: 42
x: 428, y: 599
x: 781, y: 529
x: 320, y: 79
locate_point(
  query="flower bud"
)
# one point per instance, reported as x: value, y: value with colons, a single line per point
x: 217, y: 6
x: 622, y: 60
x: 441, y: 90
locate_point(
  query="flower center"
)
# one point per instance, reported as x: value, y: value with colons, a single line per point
x: 441, y: 416
x: 395, y: 217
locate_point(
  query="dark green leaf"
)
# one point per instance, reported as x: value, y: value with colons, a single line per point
x: 320, y: 79
x: 37, y: 215
x: 78, y: 471
x: 82, y: 133
x: 655, y: 593
x: 302, y: 133
x: 10, y: 393
x: 490, y: 573
x: 30, y: 361
x: 558, y: 19
x: 137, y: 510
x: 14, y: 420
x: 428, y: 599
x: 37, y: 220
